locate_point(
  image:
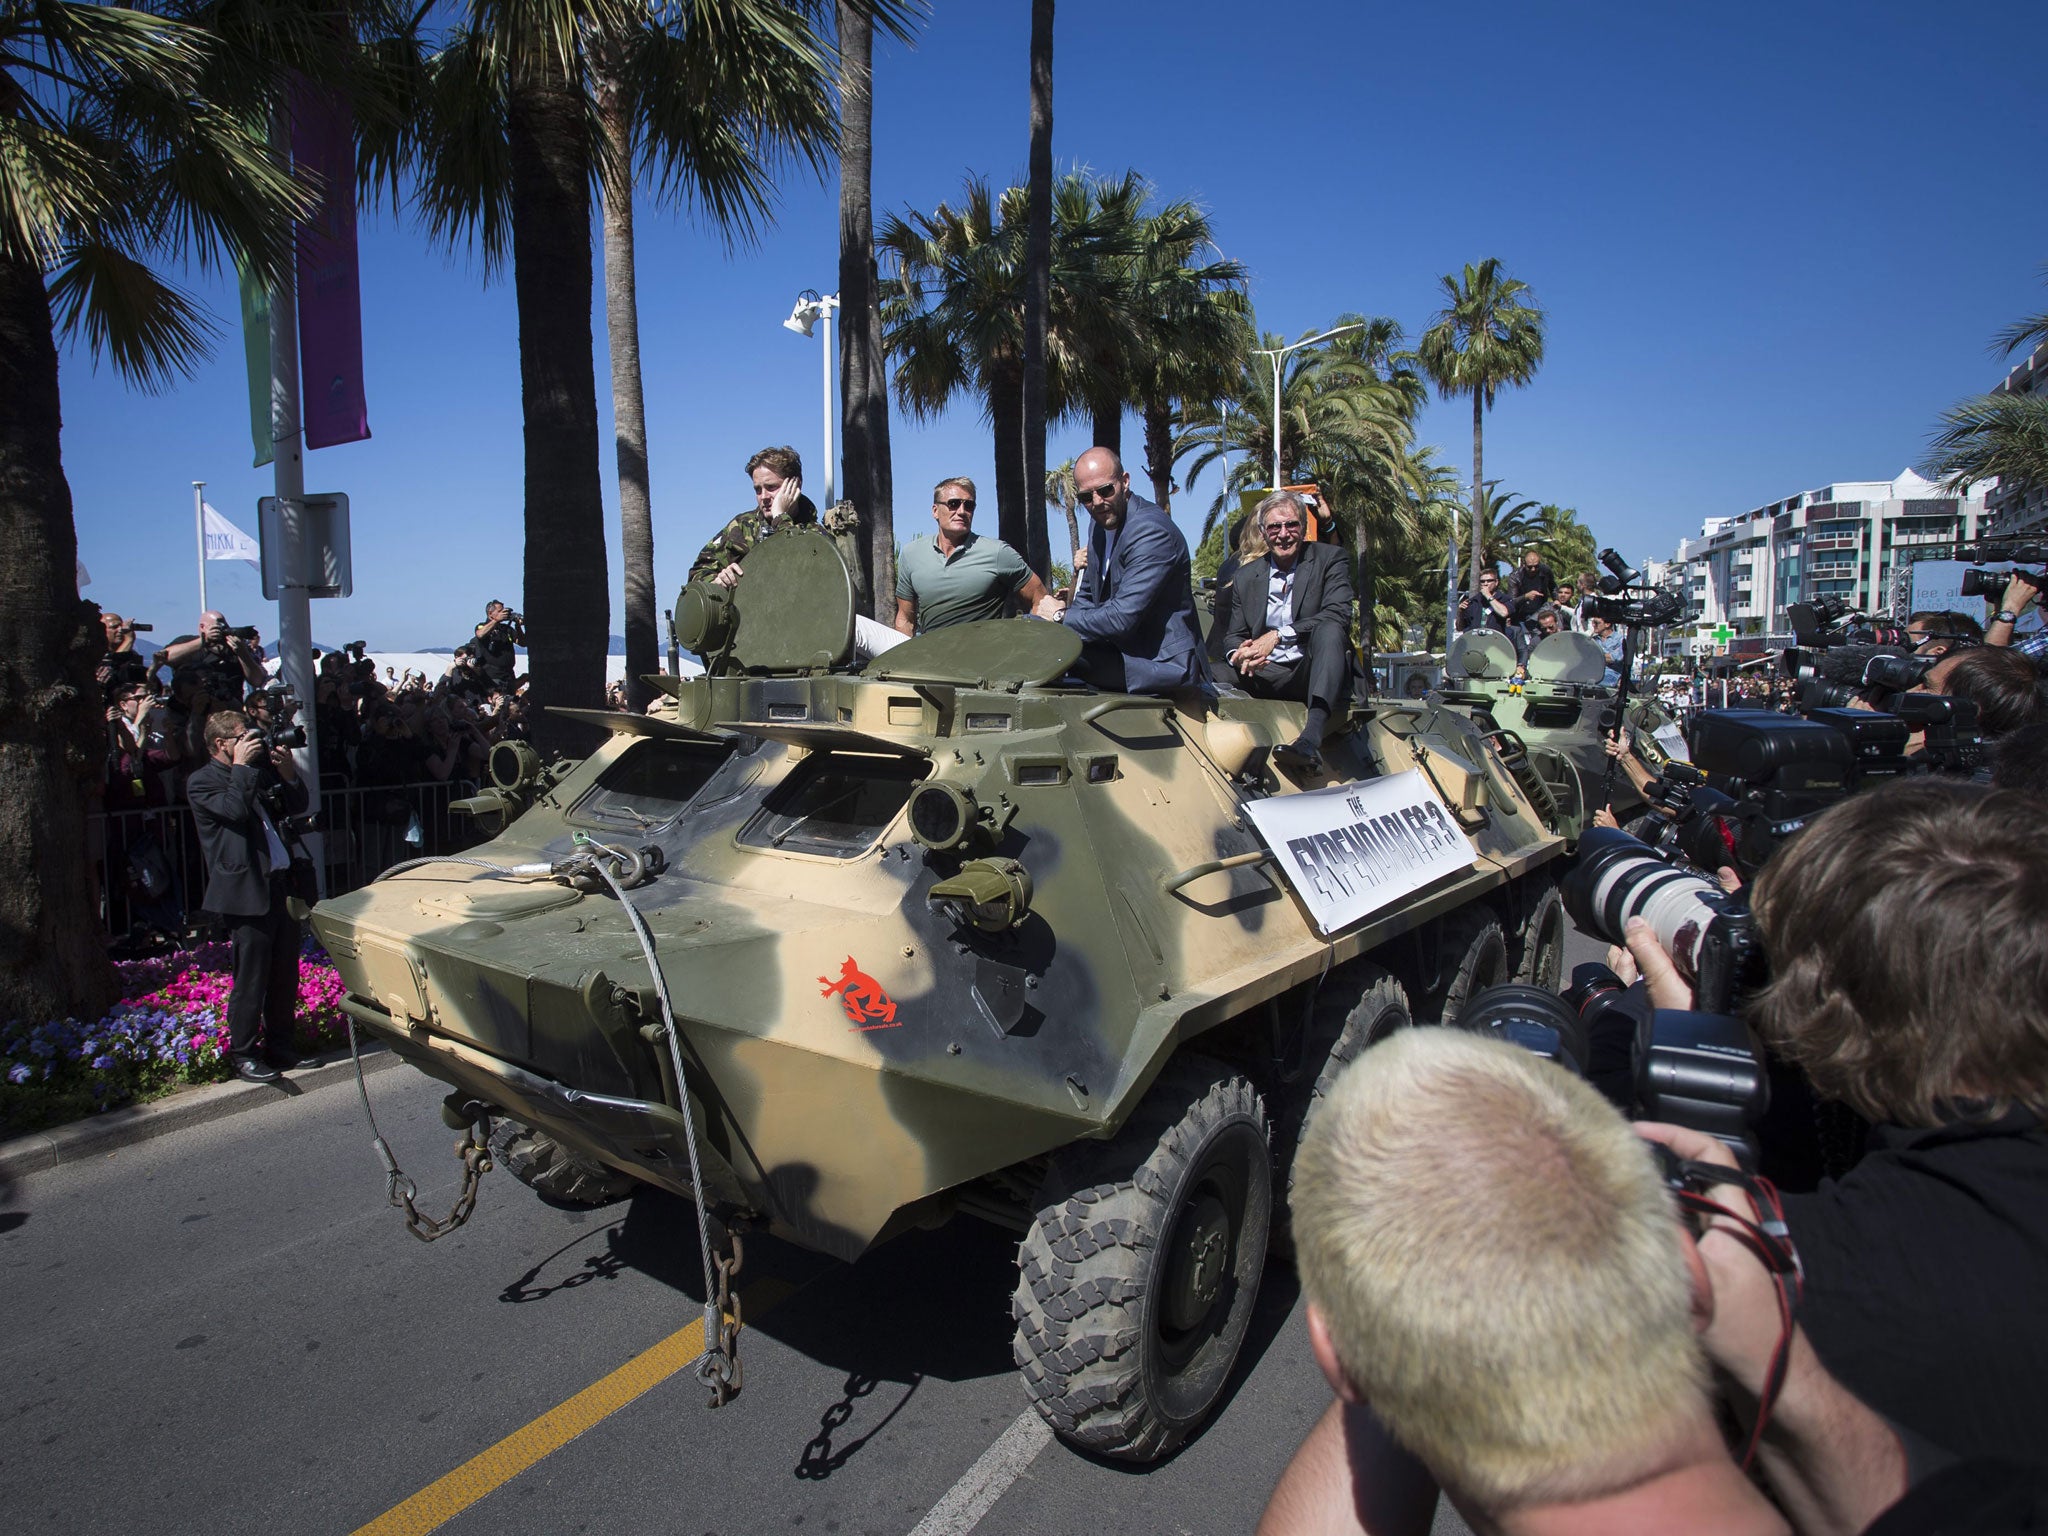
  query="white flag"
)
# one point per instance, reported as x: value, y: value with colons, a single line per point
x: 224, y: 541
x: 84, y: 576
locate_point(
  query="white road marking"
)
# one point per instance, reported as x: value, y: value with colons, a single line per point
x: 988, y: 1479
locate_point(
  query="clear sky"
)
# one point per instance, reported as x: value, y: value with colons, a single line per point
x: 1773, y: 241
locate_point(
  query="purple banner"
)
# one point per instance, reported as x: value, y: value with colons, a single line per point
x: 330, y: 294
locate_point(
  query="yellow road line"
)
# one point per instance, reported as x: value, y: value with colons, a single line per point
x: 445, y: 1498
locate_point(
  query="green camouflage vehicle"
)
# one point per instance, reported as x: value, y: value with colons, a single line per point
x: 948, y: 934
x: 1558, y: 710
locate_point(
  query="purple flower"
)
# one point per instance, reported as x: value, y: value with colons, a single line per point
x: 18, y: 1074
x: 103, y: 1063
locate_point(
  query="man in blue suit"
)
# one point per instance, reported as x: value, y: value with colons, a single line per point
x: 1135, y: 605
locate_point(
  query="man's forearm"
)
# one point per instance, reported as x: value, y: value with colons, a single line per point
x: 1833, y: 1463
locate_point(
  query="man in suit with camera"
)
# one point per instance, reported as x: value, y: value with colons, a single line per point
x: 248, y: 873
x: 1134, y: 607
x: 1290, y: 622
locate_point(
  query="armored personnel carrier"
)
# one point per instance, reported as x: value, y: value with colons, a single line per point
x: 1559, y: 708
x: 853, y: 951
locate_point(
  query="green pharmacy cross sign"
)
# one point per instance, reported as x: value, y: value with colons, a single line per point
x: 1723, y: 634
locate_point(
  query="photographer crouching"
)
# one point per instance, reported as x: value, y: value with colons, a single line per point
x: 246, y: 801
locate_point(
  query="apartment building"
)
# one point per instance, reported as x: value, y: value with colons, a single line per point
x: 2021, y: 510
x: 1838, y: 541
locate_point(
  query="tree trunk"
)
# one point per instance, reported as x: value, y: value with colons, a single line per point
x: 1037, y: 548
x: 1159, y: 453
x: 52, y: 720
x: 1478, y: 490
x: 881, y: 526
x: 1006, y: 415
x: 568, y: 593
x: 1108, y: 429
x: 629, y: 407
x: 863, y: 406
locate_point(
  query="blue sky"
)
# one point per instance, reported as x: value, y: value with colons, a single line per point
x: 1773, y: 241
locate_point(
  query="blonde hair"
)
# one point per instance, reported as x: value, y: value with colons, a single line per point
x: 1500, y: 1268
x: 962, y: 481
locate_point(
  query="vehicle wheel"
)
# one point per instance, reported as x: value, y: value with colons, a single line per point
x: 1350, y: 1016
x: 1539, y: 944
x: 551, y: 1170
x: 1472, y: 956
x: 1137, y: 1278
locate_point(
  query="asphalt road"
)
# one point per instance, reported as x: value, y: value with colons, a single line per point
x: 228, y: 1330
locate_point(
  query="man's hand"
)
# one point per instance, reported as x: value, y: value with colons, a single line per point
x: 1080, y: 561
x: 287, y: 769
x: 1604, y: 817
x: 1253, y: 654
x: 248, y: 748
x: 2018, y: 594
x: 1644, y: 959
x: 1050, y: 607
x: 730, y: 576
x: 784, y: 498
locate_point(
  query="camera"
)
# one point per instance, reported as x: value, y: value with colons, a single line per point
x: 1705, y: 930
x: 280, y: 727
x: 1992, y: 584
x: 247, y: 632
x: 1699, y: 1070
x: 1647, y: 609
x: 141, y: 629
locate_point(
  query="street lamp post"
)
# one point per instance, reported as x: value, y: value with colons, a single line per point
x: 810, y: 308
x: 1276, y: 353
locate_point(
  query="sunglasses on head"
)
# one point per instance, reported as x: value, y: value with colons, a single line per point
x: 957, y: 503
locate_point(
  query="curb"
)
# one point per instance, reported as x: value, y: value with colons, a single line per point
x: 43, y: 1150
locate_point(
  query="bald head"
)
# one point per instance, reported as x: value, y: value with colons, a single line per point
x: 1103, y: 486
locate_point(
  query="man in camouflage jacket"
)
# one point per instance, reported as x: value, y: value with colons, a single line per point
x: 778, y: 478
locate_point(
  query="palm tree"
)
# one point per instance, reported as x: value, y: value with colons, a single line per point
x: 1488, y: 335
x: 953, y: 318
x: 716, y: 93
x: 863, y: 383
x: 1507, y: 526
x: 1038, y: 274
x: 1064, y: 492
x: 2001, y: 433
x: 128, y: 146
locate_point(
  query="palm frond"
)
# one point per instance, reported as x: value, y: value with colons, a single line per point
x: 151, y: 331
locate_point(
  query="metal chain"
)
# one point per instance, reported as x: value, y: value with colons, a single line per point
x: 720, y: 1367
x: 474, y: 1150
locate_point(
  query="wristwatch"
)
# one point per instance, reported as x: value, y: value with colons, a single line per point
x: 2005, y: 616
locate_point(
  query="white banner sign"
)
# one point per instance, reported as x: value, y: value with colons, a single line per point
x: 1353, y: 849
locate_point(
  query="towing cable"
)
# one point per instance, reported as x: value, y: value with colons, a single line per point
x: 718, y: 1367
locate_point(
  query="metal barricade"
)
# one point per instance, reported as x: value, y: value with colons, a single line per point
x: 150, y: 871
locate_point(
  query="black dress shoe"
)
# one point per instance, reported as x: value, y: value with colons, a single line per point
x: 1302, y: 753
x: 250, y: 1070
x: 285, y: 1061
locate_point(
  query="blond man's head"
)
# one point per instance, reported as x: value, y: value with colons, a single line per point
x: 1498, y: 1269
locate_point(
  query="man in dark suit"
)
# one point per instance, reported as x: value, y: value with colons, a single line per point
x: 247, y: 869
x: 1290, y: 623
x: 1135, y: 604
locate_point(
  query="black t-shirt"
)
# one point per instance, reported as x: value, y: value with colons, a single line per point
x: 1927, y: 1282
x: 216, y: 673
x: 496, y: 655
x: 1972, y: 1498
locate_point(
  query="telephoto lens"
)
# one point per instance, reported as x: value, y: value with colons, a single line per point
x: 1704, y: 929
x: 1540, y: 1022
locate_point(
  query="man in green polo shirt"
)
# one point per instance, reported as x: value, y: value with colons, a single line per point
x: 957, y: 575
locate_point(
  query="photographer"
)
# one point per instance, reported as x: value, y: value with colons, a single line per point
x: 2020, y: 591
x: 1539, y: 1354
x: 221, y: 664
x: 1486, y: 608
x: 1907, y: 934
x: 496, y: 642
x: 122, y: 665
x: 2003, y: 684
x: 251, y: 878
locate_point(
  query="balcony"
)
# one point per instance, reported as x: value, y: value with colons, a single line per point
x: 1835, y: 541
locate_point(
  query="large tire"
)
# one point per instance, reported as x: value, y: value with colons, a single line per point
x: 1539, y: 943
x: 1357, y: 1007
x: 1472, y: 956
x: 551, y: 1170
x: 1137, y: 1278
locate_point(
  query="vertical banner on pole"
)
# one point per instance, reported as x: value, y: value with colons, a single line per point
x: 331, y: 404
x: 256, y: 358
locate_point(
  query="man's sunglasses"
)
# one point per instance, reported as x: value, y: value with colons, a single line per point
x: 1097, y: 493
x: 956, y: 503
x: 1274, y: 530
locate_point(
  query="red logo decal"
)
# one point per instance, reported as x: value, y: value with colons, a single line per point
x: 867, y: 1005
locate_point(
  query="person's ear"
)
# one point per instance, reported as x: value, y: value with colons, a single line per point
x: 1325, y: 1351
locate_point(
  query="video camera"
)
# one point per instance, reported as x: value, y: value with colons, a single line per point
x: 1992, y: 584
x: 1625, y: 600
